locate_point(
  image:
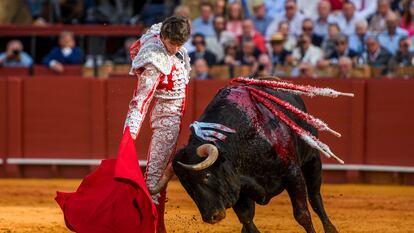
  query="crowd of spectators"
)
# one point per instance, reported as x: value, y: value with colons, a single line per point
x: 264, y: 34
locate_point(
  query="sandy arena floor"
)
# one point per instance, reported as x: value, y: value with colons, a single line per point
x: 28, y: 206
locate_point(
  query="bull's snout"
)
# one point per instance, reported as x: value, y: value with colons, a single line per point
x: 216, y: 217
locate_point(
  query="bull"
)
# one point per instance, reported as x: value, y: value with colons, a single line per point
x: 262, y: 158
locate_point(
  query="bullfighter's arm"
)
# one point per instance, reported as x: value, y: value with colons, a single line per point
x: 148, y: 78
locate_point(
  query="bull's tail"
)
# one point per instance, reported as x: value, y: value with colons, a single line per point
x: 266, y: 99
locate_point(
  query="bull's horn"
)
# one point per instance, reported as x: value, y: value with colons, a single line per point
x: 166, y: 177
x: 206, y: 150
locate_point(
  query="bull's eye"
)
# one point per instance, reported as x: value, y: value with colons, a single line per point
x: 206, y: 177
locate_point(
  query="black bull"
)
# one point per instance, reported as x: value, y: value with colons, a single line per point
x: 259, y: 161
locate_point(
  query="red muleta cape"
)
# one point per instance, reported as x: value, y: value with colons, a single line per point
x: 113, y: 199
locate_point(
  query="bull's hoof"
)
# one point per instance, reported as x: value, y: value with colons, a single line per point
x: 330, y: 229
x: 250, y: 228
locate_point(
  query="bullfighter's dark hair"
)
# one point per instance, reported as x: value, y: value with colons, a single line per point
x: 177, y: 29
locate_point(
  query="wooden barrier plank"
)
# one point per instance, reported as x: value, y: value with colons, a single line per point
x: 56, y: 117
x: 98, y: 118
x: 3, y: 124
x: 390, y: 124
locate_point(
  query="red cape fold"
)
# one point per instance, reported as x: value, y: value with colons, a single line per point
x: 112, y: 199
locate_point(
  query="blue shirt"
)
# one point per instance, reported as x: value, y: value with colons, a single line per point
x: 262, y: 24
x: 205, y: 28
x: 74, y: 58
x: 25, y: 60
x: 391, y: 44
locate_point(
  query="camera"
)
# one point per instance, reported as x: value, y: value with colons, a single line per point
x: 16, y: 52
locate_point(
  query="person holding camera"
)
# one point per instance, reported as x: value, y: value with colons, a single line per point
x: 15, y: 56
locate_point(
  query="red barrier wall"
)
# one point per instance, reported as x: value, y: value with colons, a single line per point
x: 75, y: 117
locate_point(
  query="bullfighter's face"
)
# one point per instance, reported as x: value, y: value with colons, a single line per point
x: 213, y: 189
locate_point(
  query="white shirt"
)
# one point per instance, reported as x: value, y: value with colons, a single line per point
x: 295, y: 25
x: 366, y: 8
x: 347, y: 27
x: 312, y: 55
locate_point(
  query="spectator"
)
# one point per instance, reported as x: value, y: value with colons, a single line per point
x: 220, y: 8
x: 231, y: 54
x: 249, y: 53
x: 290, y: 41
x: 403, y: 57
x: 323, y: 19
x: 366, y: 8
x: 14, y: 13
x: 347, y: 18
x: 201, y: 51
x: 250, y: 34
x: 235, y: 19
x: 407, y: 21
x: 341, y: 50
x: 260, y: 20
x: 278, y: 54
x: 292, y: 16
x: 377, y: 23
x: 182, y: 10
x: 328, y: 44
x: 357, y: 40
x: 15, y: 56
x: 375, y: 55
x: 201, y: 70
x: 263, y: 67
x: 307, y: 28
x: 216, y: 43
x: 389, y: 39
x: 344, y: 67
x: 274, y: 7
x: 308, y: 7
x: 304, y: 70
x: 66, y: 53
x: 122, y: 55
x: 306, y: 52
x: 204, y: 23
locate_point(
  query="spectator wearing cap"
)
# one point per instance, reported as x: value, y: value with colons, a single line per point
x: 292, y: 16
x: 341, y: 50
x: 277, y: 53
x: 407, y: 20
x: 201, y: 70
x: 375, y: 55
x: 403, y: 57
x: 377, y: 22
x: 357, y: 40
x: 250, y: 34
x: 235, y: 19
x: 347, y: 18
x: 307, y: 28
x: 201, y: 51
x: 15, y: 56
x: 323, y: 19
x: 204, y: 23
x: 389, y: 39
x: 344, y: 67
x: 260, y: 20
x: 306, y: 52
x: 221, y: 36
x: 66, y: 53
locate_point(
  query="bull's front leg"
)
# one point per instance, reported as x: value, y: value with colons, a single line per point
x: 297, y: 192
x: 244, y: 209
x: 253, y: 190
